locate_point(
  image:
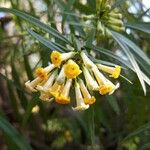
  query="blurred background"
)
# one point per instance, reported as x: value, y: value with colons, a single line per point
x: 117, y: 122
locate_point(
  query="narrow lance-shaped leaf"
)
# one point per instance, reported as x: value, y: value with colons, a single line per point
x: 36, y: 22
x: 132, y: 61
x: 44, y: 41
x: 13, y: 134
x: 142, y: 26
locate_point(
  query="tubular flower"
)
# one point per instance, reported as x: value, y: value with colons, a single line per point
x: 79, y: 99
x: 43, y: 72
x: 64, y: 98
x: 105, y: 86
x: 31, y: 85
x: 57, y: 57
x: 88, y: 63
x: 88, y: 99
x: 45, y: 87
x: 91, y: 83
x: 46, y: 96
x: 56, y: 89
x: 71, y: 69
x: 54, y: 81
x: 113, y: 71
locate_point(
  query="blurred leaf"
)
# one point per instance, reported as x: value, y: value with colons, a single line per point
x: 13, y: 134
x: 27, y: 67
x: 120, y: 41
x: 145, y: 146
x: 21, y: 94
x: 13, y: 100
x: 35, y: 22
x: 114, y: 104
x: 138, y: 131
x: 28, y: 111
x: 118, y: 3
x: 46, y: 42
x: 132, y: 45
x: 142, y: 26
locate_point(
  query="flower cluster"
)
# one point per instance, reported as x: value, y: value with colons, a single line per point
x: 55, y: 81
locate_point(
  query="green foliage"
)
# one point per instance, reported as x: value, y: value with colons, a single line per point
x: 117, y: 122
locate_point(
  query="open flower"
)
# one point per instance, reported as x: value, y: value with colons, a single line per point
x: 88, y: 99
x: 64, y: 98
x: 59, y: 84
x: 105, y: 86
x: 79, y: 99
x: 56, y: 89
x: 91, y: 83
x: 57, y: 57
x: 45, y: 87
x: 43, y: 72
x: 46, y: 96
x: 71, y: 69
x: 113, y: 71
x: 30, y: 85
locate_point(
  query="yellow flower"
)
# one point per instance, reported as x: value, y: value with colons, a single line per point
x: 46, y: 96
x: 113, y: 71
x: 64, y: 98
x: 57, y: 57
x: 30, y: 85
x: 105, y: 86
x: 35, y: 109
x: 71, y: 69
x: 79, y: 99
x: 88, y: 99
x: 41, y: 73
x: 56, y: 89
x: 46, y: 85
x: 91, y: 83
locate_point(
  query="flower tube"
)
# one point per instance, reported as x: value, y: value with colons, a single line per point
x: 91, y: 83
x: 105, y: 86
x: 88, y: 99
x: 113, y: 71
x: 30, y: 85
x: 59, y: 83
x: 87, y: 62
x: 79, y: 99
x: 64, y: 98
x: 46, y: 96
x: 45, y: 87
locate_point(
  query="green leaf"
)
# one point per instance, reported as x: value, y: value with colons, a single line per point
x: 131, y: 59
x: 21, y: 94
x: 132, y: 45
x: 118, y: 3
x: 13, y: 135
x: 145, y: 146
x: 142, y: 26
x: 36, y: 22
x: 46, y: 42
x: 114, y: 104
x: 138, y: 131
x: 31, y: 104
